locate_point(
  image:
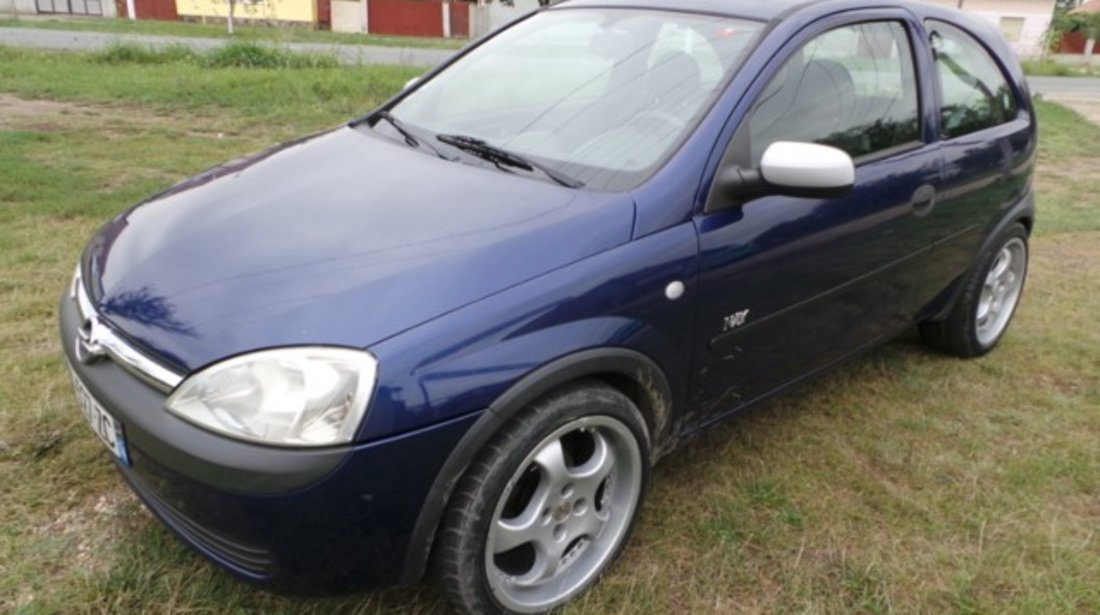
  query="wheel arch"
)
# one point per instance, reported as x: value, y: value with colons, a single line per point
x: 1022, y: 212
x: 1028, y: 220
x: 628, y: 371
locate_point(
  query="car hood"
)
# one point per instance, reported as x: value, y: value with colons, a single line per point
x: 344, y: 238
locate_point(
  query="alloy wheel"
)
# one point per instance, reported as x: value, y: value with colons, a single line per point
x: 563, y: 513
x: 1001, y: 291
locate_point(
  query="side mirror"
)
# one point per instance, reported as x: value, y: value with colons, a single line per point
x: 807, y: 169
x: 793, y: 169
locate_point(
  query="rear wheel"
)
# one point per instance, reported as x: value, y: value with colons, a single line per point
x: 983, y: 312
x: 545, y: 510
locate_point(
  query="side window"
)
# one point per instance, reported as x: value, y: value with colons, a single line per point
x: 853, y: 88
x: 974, y: 90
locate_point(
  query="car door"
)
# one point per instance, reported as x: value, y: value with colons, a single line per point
x: 988, y: 145
x: 790, y: 285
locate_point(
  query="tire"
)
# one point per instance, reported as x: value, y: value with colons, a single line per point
x: 989, y: 299
x: 546, y: 508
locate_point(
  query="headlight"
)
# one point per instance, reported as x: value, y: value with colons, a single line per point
x: 285, y: 397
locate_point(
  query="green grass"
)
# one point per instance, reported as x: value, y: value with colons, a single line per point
x: 905, y: 482
x: 1050, y: 68
x: 1068, y: 178
x: 260, y: 99
x: 237, y: 54
x: 290, y: 34
x: 252, y: 55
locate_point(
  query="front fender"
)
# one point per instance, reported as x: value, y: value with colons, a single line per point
x: 464, y: 361
x: 599, y: 362
x: 606, y: 317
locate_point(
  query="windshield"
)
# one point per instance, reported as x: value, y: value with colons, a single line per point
x: 599, y: 95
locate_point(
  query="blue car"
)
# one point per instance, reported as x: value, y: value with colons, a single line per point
x: 454, y: 335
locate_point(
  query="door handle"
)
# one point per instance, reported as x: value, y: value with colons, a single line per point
x: 924, y: 200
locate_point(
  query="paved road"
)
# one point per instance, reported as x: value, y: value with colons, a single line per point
x: 1082, y: 94
x: 1081, y: 88
x: 90, y: 41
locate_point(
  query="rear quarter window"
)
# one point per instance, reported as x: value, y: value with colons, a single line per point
x: 974, y: 91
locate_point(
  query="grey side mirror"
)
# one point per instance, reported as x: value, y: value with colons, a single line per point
x: 791, y: 168
x: 807, y: 169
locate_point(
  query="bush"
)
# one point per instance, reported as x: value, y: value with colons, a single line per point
x: 129, y: 53
x: 253, y: 55
x: 1088, y: 24
x: 1056, y: 69
x: 232, y: 55
x: 1046, y: 69
x: 178, y: 53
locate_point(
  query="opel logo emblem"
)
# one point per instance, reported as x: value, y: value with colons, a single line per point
x: 89, y: 347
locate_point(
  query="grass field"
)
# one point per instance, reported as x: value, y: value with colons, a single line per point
x: 904, y: 482
x: 1050, y: 68
x: 241, y: 32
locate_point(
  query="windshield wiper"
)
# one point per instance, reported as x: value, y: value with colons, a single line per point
x: 410, y: 138
x: 503, y: 157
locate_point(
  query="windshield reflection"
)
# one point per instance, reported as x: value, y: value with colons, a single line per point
x: 600, y: 95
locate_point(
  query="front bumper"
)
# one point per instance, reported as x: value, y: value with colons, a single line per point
x: 298, y: 520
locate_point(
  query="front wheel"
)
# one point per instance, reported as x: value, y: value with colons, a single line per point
x: 988, y: 301
x: 548, y: 506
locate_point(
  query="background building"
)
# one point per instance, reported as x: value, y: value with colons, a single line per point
x: 1023, y: 22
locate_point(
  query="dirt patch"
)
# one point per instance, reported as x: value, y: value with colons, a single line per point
x: 1071, y: 167
x: 1052, y: 178
x: 41, y: 115
x: 1071, y: 254
x: 54, y: 116
x: 93, y: 523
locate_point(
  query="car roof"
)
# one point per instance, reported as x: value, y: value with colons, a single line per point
x: 762, y: 10
x: 771, y: 10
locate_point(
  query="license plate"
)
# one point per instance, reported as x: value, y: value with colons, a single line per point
x: 102, y: 423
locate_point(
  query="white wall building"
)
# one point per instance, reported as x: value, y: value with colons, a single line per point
x: 10, y: 7
x: 1023, y: 22
x: 98, y: 8
x: 488, y: 16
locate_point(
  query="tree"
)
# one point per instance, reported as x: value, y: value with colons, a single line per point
x: 229, y: 20
x: 1087, y: 23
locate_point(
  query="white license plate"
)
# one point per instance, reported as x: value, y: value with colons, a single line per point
x: 102, y: 423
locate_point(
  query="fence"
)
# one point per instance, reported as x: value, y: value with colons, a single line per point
x: 1074, y: 43
x: 437, y: 18
x: 418, y: 18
